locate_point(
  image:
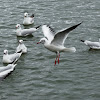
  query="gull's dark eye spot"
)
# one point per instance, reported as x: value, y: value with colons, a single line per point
x: 43, y: 41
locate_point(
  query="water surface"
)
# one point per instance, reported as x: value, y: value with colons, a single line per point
x: 77, y: 77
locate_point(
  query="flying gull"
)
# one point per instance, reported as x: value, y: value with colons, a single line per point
x: 55, y: 41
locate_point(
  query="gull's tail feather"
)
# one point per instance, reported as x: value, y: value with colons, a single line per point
x: 38, y: 27
x: 32, y: 15
x: 14, y: 62
x: 19, y: 51
x: 71, y: 49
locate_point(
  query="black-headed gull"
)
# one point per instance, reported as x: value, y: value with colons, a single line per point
x: 28, y: 20
x: 25, y: 32
x: 10, y: 58
x: 6, y: 70
x: 92, y: 45
x: 55, y: 41
x: 22, y: 47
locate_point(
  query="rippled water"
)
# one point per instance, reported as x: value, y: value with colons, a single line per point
x: 35, y: 77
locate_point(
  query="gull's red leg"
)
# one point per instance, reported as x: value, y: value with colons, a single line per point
x: 55, y: 62
x: 56, y: 59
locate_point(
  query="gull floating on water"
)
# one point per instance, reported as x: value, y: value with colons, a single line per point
x: 5, y: 71
x: 28, y: 20
x: 22, y: 47
x: 25, y: 32
x: 10, y: 58
x: 55, y: 41
x: 92, y: 45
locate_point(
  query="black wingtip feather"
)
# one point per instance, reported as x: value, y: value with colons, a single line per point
x: 73, y: 27
x: 32, y: 15
x: 38, y: 27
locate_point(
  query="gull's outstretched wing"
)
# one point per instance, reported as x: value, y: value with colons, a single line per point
x: 48, y: 32
x: 61, y: 36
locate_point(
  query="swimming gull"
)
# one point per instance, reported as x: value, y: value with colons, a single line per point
x: 10, y: 58
x: 6, y: 70
x: 22, y: 47
x: 28, y: 20
x: 92, y: 45
x: 25, y: 32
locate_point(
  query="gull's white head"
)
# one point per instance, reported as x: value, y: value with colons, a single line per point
x: 25, y: 14
x: 5, y: 52
x: 43, y: 41
x: 18, y: 26
x: 20, y: 41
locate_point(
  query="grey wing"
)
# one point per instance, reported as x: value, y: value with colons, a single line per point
x: 48, y: 32
x: 26, y: 32
x: 5, y: 68
x: 14, y: 57
x: 61, y: 36
x: 93, y: 44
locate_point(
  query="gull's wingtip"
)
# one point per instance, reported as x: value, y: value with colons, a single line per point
x: 79, y: 24
x: 73, y: 27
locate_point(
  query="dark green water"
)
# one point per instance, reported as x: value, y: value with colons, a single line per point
x: 77, y: 77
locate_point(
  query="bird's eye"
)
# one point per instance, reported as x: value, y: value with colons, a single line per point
x: 43, y: 41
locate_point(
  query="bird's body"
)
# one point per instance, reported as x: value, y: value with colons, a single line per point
x: 10, y: 58
x: 4, y: 71
x: 55, y: 41
x: 22, y: 47
x: 28, y: 20
x: 24, y: 32
x: 92, y: 45
x: 60, y: 48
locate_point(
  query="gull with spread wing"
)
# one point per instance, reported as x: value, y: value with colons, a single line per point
x: 55, y: 41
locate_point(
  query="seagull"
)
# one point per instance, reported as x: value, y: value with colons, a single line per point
x: 10, y: 58
x: 55, y: 41
x: 28, y: 20
x: 92, y: 45
x: 22, y: 47
x: 25, y: 32
x: 6, y: 70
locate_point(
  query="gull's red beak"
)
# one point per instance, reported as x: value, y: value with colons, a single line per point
x: 38, y: 42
